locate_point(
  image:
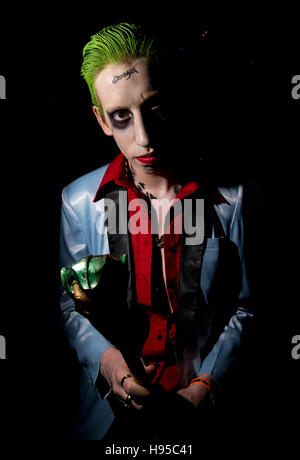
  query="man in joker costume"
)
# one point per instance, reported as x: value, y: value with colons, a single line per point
x: 189, y: 300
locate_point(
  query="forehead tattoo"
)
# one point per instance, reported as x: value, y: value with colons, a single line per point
x: 125, y: 75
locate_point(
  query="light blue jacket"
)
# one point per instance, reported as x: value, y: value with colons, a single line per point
x: 81, y: 220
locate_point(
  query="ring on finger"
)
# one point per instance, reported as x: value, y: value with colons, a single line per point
x: 124, y: 378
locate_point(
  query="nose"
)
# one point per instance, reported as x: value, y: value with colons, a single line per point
x: 141, y: 133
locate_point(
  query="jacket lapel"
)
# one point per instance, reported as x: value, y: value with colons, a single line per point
x: 189, y: 293
x: 119, y: 242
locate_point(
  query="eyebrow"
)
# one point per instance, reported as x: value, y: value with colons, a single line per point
x: 154, y: 95
x: 111, y: 110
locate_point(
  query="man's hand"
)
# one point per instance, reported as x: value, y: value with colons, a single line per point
x: 113, y: 367
x: 197, y: 394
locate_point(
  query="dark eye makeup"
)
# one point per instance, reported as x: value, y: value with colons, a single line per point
x: 120, y: 118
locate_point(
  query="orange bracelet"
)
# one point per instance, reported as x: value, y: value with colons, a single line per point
x: 202, y: 381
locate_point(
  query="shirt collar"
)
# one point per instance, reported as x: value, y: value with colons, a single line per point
x: 115, y: 174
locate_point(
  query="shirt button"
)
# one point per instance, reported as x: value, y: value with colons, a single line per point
x: 159, y: 337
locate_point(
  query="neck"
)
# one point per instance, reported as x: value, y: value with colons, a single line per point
x: 158, y: 183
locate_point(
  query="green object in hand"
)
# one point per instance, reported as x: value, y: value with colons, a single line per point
x: 87, y: 272
x: 99, y: 287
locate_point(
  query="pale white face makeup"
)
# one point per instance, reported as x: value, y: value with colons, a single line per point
x: 131, y: 110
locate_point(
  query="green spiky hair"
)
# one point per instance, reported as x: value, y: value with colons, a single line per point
x: 114, y: 44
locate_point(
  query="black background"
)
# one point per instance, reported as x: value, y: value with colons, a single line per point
x: 49, y: 136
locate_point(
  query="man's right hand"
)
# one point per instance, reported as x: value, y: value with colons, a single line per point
x: 113, y: 367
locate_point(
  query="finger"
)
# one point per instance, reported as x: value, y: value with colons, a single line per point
x: 120, y: 393
x: 130, y: 403
x: 122, y: 396
x: 79, y: 294
x: 136, y: 405
x: 133, y: 388
x: 149, y: 369
x: 126, y: 376
x: 135, y: 402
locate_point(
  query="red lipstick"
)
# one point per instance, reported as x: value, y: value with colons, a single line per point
x: 147, y: 159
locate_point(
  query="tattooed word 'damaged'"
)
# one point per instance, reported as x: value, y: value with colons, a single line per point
x: 127, y: 74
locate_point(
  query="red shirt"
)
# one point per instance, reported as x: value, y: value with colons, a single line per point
x: 162, y: 328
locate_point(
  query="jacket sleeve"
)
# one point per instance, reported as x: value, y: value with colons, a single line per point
x: 82, y: 336
x: 227, y: 349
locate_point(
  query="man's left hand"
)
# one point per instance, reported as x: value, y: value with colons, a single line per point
x: 197, y: 394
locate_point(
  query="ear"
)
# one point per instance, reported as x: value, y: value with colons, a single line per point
x: 101, y: 122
